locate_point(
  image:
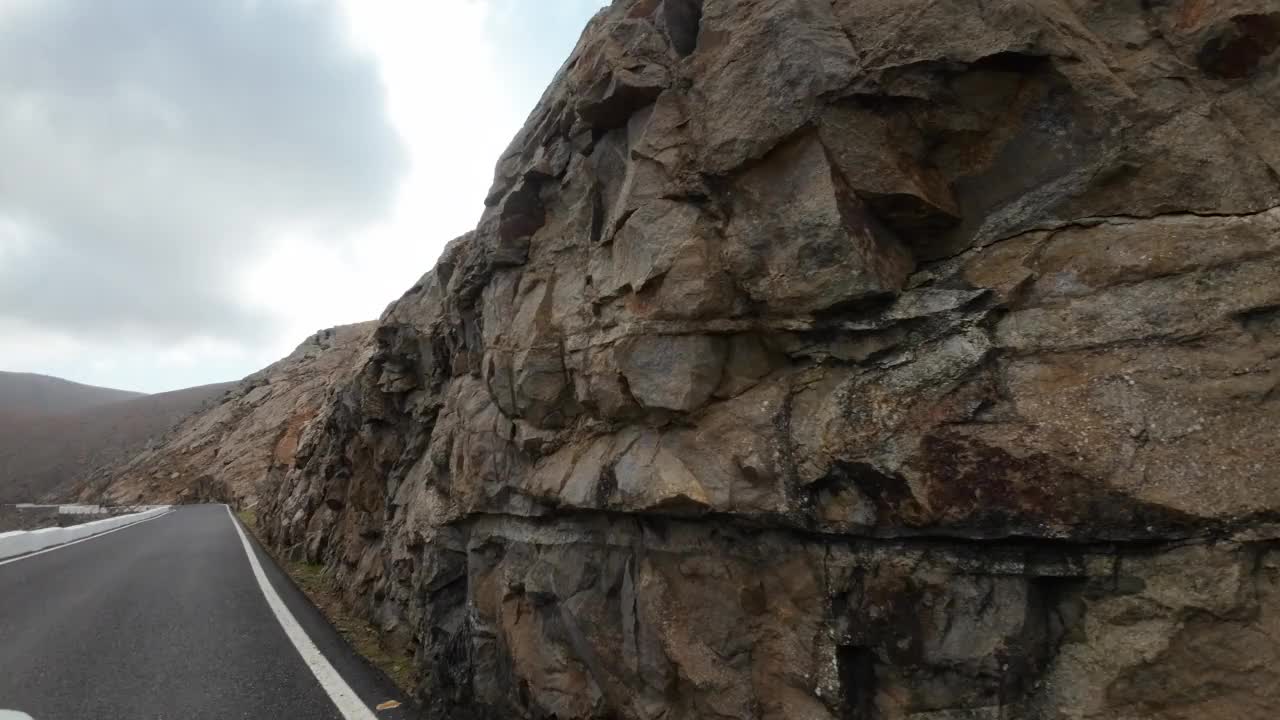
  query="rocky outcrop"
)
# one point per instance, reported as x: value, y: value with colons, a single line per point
x: 237, y: 449
x: 812, y: 359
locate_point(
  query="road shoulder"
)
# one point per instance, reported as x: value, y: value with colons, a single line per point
x: 369, y: 681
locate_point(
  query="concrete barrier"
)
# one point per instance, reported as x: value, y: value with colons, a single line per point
x: 21, y: 542
x: 81, y: 509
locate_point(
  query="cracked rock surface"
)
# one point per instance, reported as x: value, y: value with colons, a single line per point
x: 840, y: 360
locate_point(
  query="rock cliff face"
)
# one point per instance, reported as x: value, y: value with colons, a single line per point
x: 860, y: 360
x: 238, y: 448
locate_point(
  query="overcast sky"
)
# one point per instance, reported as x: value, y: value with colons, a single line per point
x: 189, y: 189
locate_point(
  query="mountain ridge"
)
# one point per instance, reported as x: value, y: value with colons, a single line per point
x: 43, y: 455
x: 26, y: 392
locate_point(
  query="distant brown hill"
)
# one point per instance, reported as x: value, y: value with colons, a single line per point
x: 54, y: 432
x: 27, y: 393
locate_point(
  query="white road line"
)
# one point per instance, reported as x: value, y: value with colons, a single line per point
x: 83, y: 539
x: 346, y: 699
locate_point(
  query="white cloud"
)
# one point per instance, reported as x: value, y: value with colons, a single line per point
x: 437, y: 64
x: 326, y: 242
x: 448, y: 72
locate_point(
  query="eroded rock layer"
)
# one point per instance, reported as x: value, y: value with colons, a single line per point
x: 856, y: 359
x: 238, y: 449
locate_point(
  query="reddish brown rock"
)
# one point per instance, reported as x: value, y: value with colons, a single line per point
x: 237, y: 449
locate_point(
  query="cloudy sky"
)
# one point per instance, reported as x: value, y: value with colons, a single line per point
x: 190, y: 188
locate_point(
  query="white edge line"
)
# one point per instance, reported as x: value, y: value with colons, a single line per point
x: 346, y: 699
x: 84, y: 539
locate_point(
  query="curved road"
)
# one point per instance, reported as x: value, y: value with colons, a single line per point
x: 166, y: 619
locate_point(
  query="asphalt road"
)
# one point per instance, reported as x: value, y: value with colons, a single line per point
x: 165, y: 619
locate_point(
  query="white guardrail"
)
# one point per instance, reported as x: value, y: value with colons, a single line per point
x: 21, y: 542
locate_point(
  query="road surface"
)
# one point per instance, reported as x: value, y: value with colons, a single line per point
x: 167, y: 619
